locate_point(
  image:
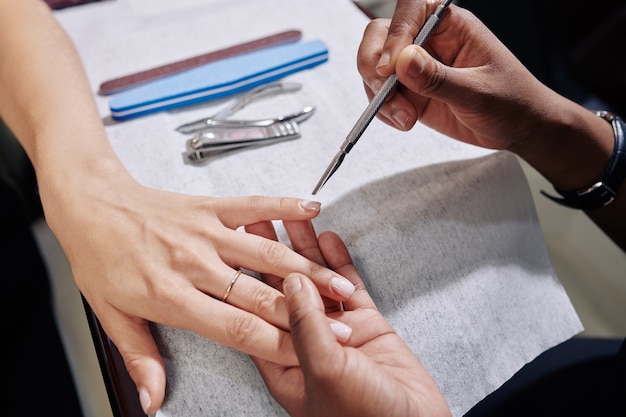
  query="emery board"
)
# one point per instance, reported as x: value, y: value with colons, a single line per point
x: 218, y: 79
x: 125, y: 82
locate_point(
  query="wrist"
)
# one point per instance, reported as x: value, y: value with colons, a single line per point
x: 570, y: 147
x: 602, y: 192
x: 76, y: 187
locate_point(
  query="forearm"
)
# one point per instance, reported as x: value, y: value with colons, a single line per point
x: 571, y: 147
x: 47, y: 102
x: 568, y: 144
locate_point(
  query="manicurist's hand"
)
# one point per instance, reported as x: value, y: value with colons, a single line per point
x: 467, y: 85
x: 352, y: 362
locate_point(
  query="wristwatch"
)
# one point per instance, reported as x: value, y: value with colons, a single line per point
x: 603, y: 191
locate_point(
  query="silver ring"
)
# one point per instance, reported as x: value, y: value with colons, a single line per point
x: 230, y: 286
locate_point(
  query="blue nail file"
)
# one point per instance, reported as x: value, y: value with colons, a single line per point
x: 218, y: 79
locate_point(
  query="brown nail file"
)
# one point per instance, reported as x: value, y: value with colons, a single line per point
x: 118, y: 84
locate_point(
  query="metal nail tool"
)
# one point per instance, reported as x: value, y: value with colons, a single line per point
x: 210, y: 124
x: 221, y: 140
x: 217, y: 135
x: 377, y: 101
x: 219, y: 118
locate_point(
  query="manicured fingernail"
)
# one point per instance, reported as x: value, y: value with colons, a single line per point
x: 384, y: 60
x: 342, y: 286
x: 401, y: 118
x: 311, y: 205
x: 342, y: 331
x: 291, y: 285
x: 144, y: 399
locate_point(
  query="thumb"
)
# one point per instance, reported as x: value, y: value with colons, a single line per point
x: 142, y: 359
x: 314, y: 339
x: 420, y: 72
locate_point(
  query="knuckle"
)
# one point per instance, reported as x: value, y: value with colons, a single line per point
x: 365, y: 68
x: 435, y: 79
x: 274, y: 253
x: 161, y: 289
x: 133, y: 365
x: 403, y: 28
x: 170, y: 295
x: 316, y: 271
x: 241, y: 329
x: 284, y: 204
x: 131, y: 362
x: 400, y: 28
x: 182, y: 256
x: 257, y: 203
x: 265, y: 300
x: 375, y: 27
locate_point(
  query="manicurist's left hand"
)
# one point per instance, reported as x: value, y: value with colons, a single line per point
x: 352, y: 362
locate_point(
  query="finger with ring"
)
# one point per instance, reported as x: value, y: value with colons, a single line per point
x: 230, y: 285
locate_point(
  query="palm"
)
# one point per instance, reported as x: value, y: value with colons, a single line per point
x: 380, y: 358
x: 375, y: 366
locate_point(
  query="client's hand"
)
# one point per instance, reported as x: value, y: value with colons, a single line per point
x: 372, y: 373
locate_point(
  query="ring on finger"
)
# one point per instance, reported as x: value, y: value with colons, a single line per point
x: 230, y: 285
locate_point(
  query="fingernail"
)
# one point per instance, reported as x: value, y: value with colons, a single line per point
x: 144, y: 399
x: 311, y: 205
x: 342, y: 331
x: 384, y: 60
x: 291, y: 285
x: 342, y: 286
x: 401, y: 118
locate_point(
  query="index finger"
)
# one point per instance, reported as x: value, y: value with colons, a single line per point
x: 408, y: 18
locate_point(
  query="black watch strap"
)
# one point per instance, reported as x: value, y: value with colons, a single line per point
x: 604, y: 191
